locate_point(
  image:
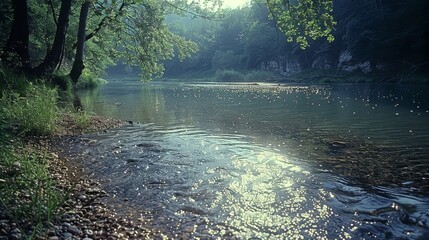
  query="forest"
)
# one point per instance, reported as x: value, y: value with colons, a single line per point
x: 385, y: 39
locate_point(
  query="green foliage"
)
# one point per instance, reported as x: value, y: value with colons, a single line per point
x: 261, y: 76
x: 151, y: 41
x: 11, y: 81
x: 31, y: 112
x: 6, y: 16
x: 42, y: 27
x: 27, y: 192
x: 61, y: 81
x: 252, y: 76
x: 302, y: 20
x: 228, y: 76
x: 89, y: 80
x: 82, y: 118
x: 225, y: 60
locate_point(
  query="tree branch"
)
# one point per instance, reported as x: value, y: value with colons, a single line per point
x: 103, y: 22
x: 53, y: 11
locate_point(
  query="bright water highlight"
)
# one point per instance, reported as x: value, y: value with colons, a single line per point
x: 266, y: 161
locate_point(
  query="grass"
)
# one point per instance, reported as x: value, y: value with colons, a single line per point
x: 10, y: 81
x: 27, y: 192
x: 28, y: 195
x: 82, y: 118
x: 33, y: 111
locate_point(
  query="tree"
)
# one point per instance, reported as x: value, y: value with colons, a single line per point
x: 15, y: 53
x: 54, y: 55
x: 78, y: 65
x: 301, y: 20
x: 141, y: 36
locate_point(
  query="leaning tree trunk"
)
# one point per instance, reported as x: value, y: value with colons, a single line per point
x: 78, y: 65
x: 15, y: 53
x: 53, y: 57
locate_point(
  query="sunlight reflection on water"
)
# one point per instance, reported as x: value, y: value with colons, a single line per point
x: 268, y: 161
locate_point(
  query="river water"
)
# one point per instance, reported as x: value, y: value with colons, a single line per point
x: 265, y: 161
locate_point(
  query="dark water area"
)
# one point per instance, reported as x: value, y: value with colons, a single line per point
x: 266, y: 161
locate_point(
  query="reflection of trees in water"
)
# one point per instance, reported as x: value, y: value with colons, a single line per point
x: 141, y: 102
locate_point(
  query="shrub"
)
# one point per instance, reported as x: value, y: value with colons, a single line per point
x: 258, y: 75
x: 11, y: 81
x: 89, y: 80
x: 228, y: 76
x: 63, y: 82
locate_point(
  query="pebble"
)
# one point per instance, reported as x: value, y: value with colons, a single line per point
x: 67, y: 235
x: 71, y: 229
x: 85, y: 215
x: 15, y: 231
x: 15, y: 236
x: 88, y: 232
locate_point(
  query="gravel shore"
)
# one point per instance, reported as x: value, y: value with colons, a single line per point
x: 84, y: 215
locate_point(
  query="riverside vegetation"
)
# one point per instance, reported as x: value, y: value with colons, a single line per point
x: 41, y: 195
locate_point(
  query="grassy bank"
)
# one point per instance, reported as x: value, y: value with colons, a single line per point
x: 29, y: 196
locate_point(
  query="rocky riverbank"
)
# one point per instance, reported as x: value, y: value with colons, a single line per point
x: 84, y: 215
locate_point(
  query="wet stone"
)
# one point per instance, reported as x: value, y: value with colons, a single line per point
x: 16, y: 236
x: 51, y: 232
x: 15, y: 231
x: 67, y: 236
x: 88, y: 232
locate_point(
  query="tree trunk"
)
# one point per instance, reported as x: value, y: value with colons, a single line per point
x: 53, y: 57
x: 16, y: 50
x: 78, y: 65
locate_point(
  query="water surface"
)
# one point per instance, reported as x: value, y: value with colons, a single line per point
x: 266, y: 161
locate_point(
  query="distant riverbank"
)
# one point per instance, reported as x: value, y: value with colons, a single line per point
x: 309, y: 76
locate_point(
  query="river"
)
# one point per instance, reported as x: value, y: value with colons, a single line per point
x: 265, y: 161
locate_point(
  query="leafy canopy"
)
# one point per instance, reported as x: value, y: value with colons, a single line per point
x: 301, y: 20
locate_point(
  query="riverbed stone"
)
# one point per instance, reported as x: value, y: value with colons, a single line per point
x: 16, y: 236
x: 67, y: 236
x: 73, y: 230
x: 88, y: 232
x: 84, y: 202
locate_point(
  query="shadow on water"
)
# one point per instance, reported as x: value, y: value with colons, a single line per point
x: 264, y: 162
